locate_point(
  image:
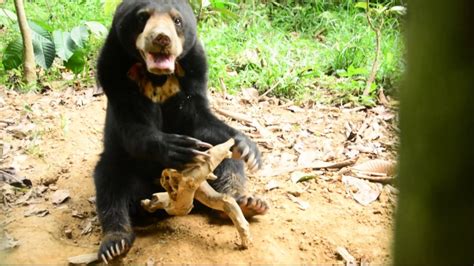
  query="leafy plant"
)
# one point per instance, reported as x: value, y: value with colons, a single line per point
x: 67, y: 46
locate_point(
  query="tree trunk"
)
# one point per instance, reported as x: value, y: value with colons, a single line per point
x: 435, y: 216
x: 29, y: 65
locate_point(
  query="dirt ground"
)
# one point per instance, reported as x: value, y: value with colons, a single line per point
x: 54, y: 140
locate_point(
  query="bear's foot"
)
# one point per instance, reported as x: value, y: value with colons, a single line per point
x: 252, y: 205
x: 115, y: 244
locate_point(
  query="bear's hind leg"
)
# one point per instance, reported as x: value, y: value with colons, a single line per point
x: 231, y: 180
x: 113, y: 201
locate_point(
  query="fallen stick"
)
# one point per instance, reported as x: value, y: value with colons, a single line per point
x: 83, y: 259
x: 184, y: 186
x: 346, y: 256
x: 233, y: 115
x: 314, y: 166
x: 266, y: 134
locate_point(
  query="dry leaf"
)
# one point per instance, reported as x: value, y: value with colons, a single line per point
x: 59, y: 196
x: 7, y: 242
x: 301, y: 203
x: 295, y: 109
x: 307, y: 157
x: 4, y: 150
x: 362, y: 191
x: 382, y: 98
x: 272, y: 184
x: 36, y: 210
x: 249, y: 95
x: 9, y: 176
x: 24, y: 198
x: 87, y: 229
x: 21, y: 131
x: 51, y: 180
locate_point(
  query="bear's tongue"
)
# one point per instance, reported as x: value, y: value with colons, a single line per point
x: 160, y: 61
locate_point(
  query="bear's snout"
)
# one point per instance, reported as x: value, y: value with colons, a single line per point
x: 161, y: 39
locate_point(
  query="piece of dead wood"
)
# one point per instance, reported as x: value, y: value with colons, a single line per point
x: 83, y: 259
x: 234, y: 115
x: 184, y: 186
x: 315, y: 166
x: 266, y: 134
x: 346, y: 256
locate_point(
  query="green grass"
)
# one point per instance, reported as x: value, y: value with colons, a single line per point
x: 315, y: 50
x: 295, y: 51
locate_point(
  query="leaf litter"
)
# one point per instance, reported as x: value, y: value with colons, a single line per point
x: 316, y: 158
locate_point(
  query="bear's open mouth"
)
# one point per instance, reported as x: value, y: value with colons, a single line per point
x: 159, y: 63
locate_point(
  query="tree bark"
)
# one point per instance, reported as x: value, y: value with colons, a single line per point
x: 435, y: 216
x: 29, y: 65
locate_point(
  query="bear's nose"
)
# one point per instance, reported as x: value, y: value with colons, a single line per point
x: 162, y: 40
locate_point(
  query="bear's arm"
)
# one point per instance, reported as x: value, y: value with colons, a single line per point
x: 210, y: 129
x: 137, y: 123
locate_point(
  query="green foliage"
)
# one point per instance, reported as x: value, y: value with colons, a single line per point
x: 43, y: 45
x: 110, y: 6
x: 315, y: 51
x: 13, y: 55
x: 300, y: 49
x: 77, y: 61
x: 68, y: 46
x: 65, y: 46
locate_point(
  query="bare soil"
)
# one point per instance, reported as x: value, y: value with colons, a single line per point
x: 54, y: 139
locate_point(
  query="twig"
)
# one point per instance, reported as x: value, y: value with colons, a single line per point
x: 346, y: 256
x: 234, y: 115
x: 314, y: 166
x: 240, y: 117
x: 223, y: 86
x: 271, y: 89
x: 376, y: 63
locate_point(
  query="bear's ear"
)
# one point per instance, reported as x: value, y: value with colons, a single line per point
x: 126, y: 26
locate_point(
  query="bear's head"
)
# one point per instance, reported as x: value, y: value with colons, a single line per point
x: 156, y: 32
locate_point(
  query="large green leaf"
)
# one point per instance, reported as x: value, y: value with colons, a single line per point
x: 43, y: 45
x: 96, y: 28
x: 43, y: 24
x: 7, y: 14
x: 65, y: 46
x: 13, y: 54
x: 77, y: 61
x: 80, y: 35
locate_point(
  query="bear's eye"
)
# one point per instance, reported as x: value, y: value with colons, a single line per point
x: 143, y: 16
x: 178, y: 22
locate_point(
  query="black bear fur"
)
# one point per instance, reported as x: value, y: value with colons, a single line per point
x: 142, y: 137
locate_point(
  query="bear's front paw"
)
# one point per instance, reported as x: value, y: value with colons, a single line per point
x: 115, y: 244
x: 182, y: 149
x: 247, y: 150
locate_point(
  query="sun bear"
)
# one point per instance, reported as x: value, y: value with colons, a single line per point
x: 153, y: 70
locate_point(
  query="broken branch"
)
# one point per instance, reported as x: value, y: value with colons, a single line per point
x: 184, y: 186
